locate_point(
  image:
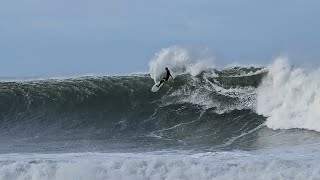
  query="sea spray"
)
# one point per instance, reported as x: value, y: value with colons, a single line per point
x: 290, y: 97
x: 179, y: 61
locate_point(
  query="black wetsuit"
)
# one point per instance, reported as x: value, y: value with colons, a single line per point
x: 165, y: 78
x: 168, y: 75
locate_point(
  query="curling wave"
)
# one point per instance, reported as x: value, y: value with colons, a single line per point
x: 214, y: 109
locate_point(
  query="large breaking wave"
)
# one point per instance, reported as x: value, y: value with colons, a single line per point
x: 204, y: 108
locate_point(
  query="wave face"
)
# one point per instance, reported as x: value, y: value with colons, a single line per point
x: 214, y: 110
x: 123, y: 110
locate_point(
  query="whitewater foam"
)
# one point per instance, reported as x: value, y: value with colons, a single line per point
x: 270, y: 164
x: 290, y: 97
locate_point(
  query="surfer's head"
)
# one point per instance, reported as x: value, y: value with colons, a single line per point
x: 166, y: 68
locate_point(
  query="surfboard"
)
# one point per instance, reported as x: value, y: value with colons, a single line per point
x: 155, y: 88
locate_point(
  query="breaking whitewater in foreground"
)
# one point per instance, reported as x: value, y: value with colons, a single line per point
x: 234, y: 123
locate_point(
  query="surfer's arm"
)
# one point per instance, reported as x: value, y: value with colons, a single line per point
x: 171, y: 76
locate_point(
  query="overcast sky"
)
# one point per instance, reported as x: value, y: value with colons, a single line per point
x: 77, y: 37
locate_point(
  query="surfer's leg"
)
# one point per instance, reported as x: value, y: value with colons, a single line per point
x: 162, y: 80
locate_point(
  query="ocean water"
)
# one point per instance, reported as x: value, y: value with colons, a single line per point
x: 209, y: 123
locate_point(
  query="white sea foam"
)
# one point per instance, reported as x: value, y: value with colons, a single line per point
x: 251, y: 73
x: 161, y: 165
x: 290, y: 97
x: 243, y: 97
x: 178, y: 60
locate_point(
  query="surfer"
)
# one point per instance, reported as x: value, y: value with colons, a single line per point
x: 165, y: 78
